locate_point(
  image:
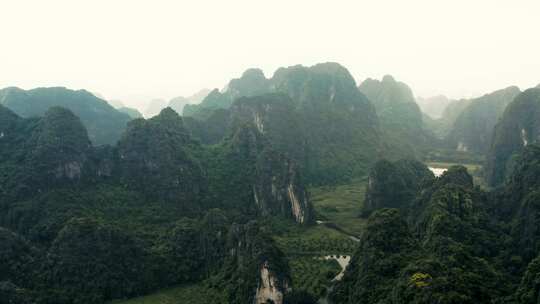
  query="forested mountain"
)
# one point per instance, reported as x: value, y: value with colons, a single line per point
x: 86, y: 224
x: 450, y: 243
x: 473, y: 128
x: 104, y: 123
x: 298, y: 188
x: 518, y: 127
x: 400, y: 116
x: 316, y: 116
x: 394, y: 184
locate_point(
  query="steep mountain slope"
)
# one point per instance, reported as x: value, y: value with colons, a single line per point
x: 394, y: 184
x: 320, y: 120
x: 400, y: 116
x: 443, y: 244
x: 38, y: 154
x: 518, y: 127
x: 90, y: 224
x: 255, y: 267
x: 245, y: 168
x: 473, y: 128
x: 157, y: 155
x: 104, y: 123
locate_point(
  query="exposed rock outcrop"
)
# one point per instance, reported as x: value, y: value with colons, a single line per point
x: 278, y: 188
x: 472, y: 130
x: 269, y: 289
x: 256, y: 265
x: 274, y: 180
x: 518, y: 127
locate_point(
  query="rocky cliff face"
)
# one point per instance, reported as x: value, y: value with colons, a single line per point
x: 272, y: 180
x: 518, y: 127
x: 256, y: 265
x: 472, y: 130
x: 270, y: 289
x: 279, y: 189
x: 274, y: 117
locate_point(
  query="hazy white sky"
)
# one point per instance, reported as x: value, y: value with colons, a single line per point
x: 138, y: 50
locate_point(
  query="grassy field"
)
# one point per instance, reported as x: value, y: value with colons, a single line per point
x: 341, y: 205
x: 185, y: 294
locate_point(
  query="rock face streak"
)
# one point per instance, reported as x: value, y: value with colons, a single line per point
x: 268, y: 289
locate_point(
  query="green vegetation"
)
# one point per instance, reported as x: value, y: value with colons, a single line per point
x: 517, y: 128
x: 97, y: 224
x: 313, y: 274
x: 473, y: 129
x: 240, y: 202
x: 453, y: 236
x: 193, y: 294
x: 400, y: 117
x: 442, y: 126
x: 314, y: 115
x: 104, y: 123
x: 394, y: 184
x: 445, y: 225
x: 316, y: 240
x: 341, y: 205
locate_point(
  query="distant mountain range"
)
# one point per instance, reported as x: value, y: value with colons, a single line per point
x: 433, y: 106
x: 105, y: 124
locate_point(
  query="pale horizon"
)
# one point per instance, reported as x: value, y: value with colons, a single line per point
x: 136, y: 52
